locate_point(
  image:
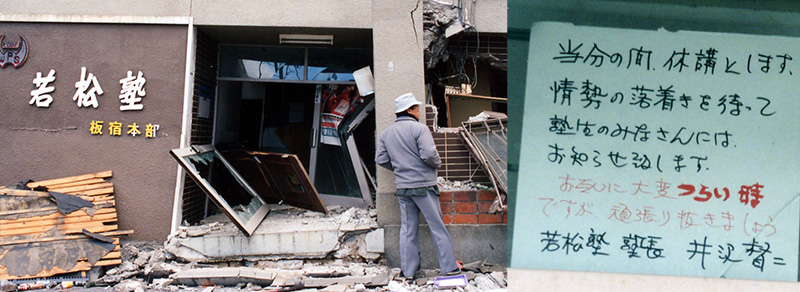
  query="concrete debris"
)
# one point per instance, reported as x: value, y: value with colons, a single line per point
x: 223, y: 276
x: 162, y: 283
x: 485, y: 283
x: 285, y: 234
x: 6, y: 286
x: 437, y: 17
x: 335, y: 288
x: 356, y: 247
x: 397, y: 287
x: 486, y: 115
x: 446, y: 185
x: 353, y: 265
x: 131, y: 285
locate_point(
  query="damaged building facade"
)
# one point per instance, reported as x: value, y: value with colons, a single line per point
x: 111, y: 85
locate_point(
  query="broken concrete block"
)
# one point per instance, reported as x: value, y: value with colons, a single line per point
x: 361, y: 288
x: 374, y: 241
x: 131, y: 285
x: 381, y: 279
x: 423, y: 281
x: 335, y: 288
x: 143, y: 258
x: 313, y: 243
x: 188, y: 254
x: 397, y: 287
x: 325, y: 272
x: 499, y: 278
x: 128, y: 267
x: 162, y: 283
x: 325, y: 282
x: 223, y: 276
x: 485, y: 283
x: 288, y: 279
x: 200, y: 230
x: 6, y: 286
x: 158, y: 256
x: 128, y: 253
x: 161, y: 270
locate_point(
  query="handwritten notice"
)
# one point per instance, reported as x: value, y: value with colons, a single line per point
x: 657, y: 152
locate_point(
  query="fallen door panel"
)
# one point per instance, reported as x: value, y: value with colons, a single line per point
x: 279, y: 177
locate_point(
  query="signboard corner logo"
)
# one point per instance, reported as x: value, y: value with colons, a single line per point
x: 13, y: 53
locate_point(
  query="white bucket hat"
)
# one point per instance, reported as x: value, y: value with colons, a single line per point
x: 404, y: 102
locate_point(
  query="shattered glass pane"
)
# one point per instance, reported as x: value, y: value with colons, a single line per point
x: 336, y: 173
x: 223, y: 185
x: 229, y: 187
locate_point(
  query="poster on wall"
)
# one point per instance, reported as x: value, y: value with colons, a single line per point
x: 338, y: 102
x: 659, y: 152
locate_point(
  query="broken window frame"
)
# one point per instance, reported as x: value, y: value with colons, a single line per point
x: 495, y: 165
x: 247, y: 226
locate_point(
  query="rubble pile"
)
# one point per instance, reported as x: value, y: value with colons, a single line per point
x: 350, y: 267
x: 150, y: 267
x: 495, y: 282
x: 446, y: 185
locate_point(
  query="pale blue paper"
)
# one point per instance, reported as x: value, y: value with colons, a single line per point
x: 762, y: 149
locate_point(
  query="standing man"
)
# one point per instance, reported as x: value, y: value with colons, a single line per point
x: 407, y: 148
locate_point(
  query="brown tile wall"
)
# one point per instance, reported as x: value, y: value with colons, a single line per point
x: 202, y: 128
x: 469, y: 207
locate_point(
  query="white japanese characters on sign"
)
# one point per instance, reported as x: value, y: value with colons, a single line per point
x: 84, y: 95
x: 87, y: 90
x: 41, y: 95
x: 132, y: 92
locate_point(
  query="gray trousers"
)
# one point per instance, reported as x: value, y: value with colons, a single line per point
x: 410, y: 206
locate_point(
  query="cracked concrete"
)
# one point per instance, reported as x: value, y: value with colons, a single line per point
x: 285, y: 233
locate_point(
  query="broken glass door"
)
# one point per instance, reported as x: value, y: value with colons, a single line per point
x: 337, y: 169
x: 223, y: 185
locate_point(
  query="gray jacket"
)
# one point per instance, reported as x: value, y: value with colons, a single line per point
x: 407, y: 148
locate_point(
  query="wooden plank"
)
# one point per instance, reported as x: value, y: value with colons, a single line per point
x: 22, y: 193
x: 23, y: 211
x: 100, y: 198
x: 97, y: 192
x: 93, y: 226
x: 80, y: 266
x: 77, y: 183
x: 68, y: 237
x: 109, y: 256
x: 82, y: 188
x: 56, y: 221
x: 102, y: 174
x: 102, y: 204
x: 77, y: 214
x: 95, y: 229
